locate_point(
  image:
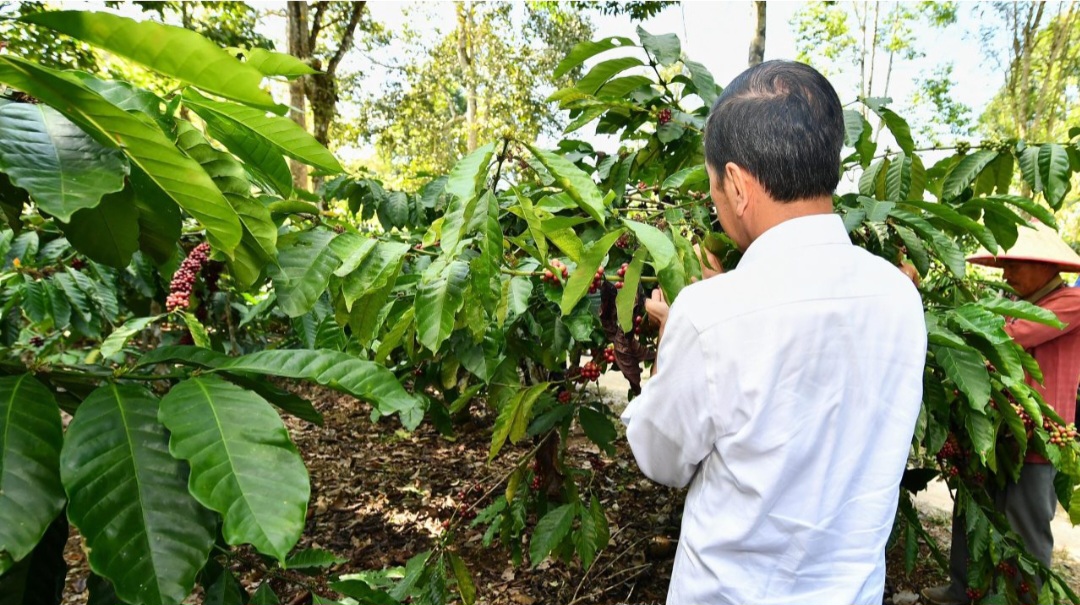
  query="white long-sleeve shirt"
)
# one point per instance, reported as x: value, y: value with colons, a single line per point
x: 786, y: 395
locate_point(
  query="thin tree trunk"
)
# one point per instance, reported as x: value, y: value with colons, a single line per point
x: 465, y: 58
x: 299, y: 47
x: 873, y: 49
x: 757, y: 44
x: 322, y: 88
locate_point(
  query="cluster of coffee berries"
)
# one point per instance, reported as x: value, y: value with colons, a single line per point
x: 535, y: 483
x: 974, y: 594
x: 77, y: 263
x: 595, y: 462
x: 609, y: 354
x: 36, y: 341
x: 1024, y: 588
x: 623, y: 242
x: 590, y: 372
x: 550, y: 277
x: 622, y: 274
x: 1029, y: 423
x: 637, y: 324
x: 664, y: 116
x: 963, y: 147
x: 1061, y: 435
x: 183, y: 280
x: 597, y: 281
x: 1006, y: 568
x: 950, y: 449
x: 564, y: 396
x: 464, y: 510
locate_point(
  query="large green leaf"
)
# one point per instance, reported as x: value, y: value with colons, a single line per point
x: 602, y: 72
x: 703, y: 80
x: 686, y: 177
x: 243, y: 464
x: 129, y: 498
x: 271, y: 63
x: 439, y: 296
x: 578, y: 185
x: 305, y: 264
x: 1029, y: 168
x: 352, y: 249
x: 30, y: 439
x: 160, y: 222
x: 1021, y: 310
x: 168, y: 50
x: 897, y: 126
x: 578, y: 284
x: 966, y: 368
x: 62, y: 167
x: 627, y: 296
x: 964, y: 173
x: 514, y: 417
x: 109, y: 232
x: 535, y: 227
x: 379, y: 266
x: 259, y: 243
x: 340, y: 371
x: 662, y: 251
x: 114, y: 344
x: 484, y: 268
x: 178, y: 176
x: 959, y: 221
x: 665, y: 48
x: 279, y: 132
x: 549, y: 532
x: 1054, y: 173
x: 898, y: 178
x: 466, y: 179
x: 853, y: 127
x: 1044, y: 214
x: 947, y: 250
x: 259, y: 154
x: 585, y: 50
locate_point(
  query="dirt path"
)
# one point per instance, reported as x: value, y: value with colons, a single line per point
x: 381, y: 495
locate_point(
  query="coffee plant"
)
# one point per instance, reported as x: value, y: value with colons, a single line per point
x: 162, y: 280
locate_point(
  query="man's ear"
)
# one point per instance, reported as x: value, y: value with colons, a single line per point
x: 738, y: 183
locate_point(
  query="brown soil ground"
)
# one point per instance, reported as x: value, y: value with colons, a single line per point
x: 379, y: 496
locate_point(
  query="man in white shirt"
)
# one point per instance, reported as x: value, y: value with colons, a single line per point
x: 787, y: 389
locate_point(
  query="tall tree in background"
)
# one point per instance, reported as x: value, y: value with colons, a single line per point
x: 319, y: 34
x: 1038, y: 54
x: 833, y: 35
x: 488, y: 75
x: 757, y: 43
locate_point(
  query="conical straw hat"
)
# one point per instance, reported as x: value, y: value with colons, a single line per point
x: 1040, y: 244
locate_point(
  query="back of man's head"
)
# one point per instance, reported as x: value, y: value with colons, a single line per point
x: 781, y: 121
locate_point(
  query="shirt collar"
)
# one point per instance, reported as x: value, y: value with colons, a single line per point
x: 792, y: 234
x: 1050, y: 286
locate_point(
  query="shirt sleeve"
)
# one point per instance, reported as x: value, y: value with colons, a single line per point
x: 669, y: 425
x: 1029, y: 334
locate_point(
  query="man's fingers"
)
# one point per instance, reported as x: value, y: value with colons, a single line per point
x: 710, y: 265
x: 656, y: 307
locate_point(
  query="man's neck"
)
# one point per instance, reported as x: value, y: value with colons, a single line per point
x: 775, y: 213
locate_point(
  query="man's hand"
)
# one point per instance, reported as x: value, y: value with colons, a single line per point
x: 710, y: 265
x: 657, y: 308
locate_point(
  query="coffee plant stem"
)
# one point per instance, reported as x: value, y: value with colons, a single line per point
x: 499, y: 165
x: 92, y: 376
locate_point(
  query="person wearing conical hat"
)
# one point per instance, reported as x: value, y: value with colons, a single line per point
x: 1032, y: 268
